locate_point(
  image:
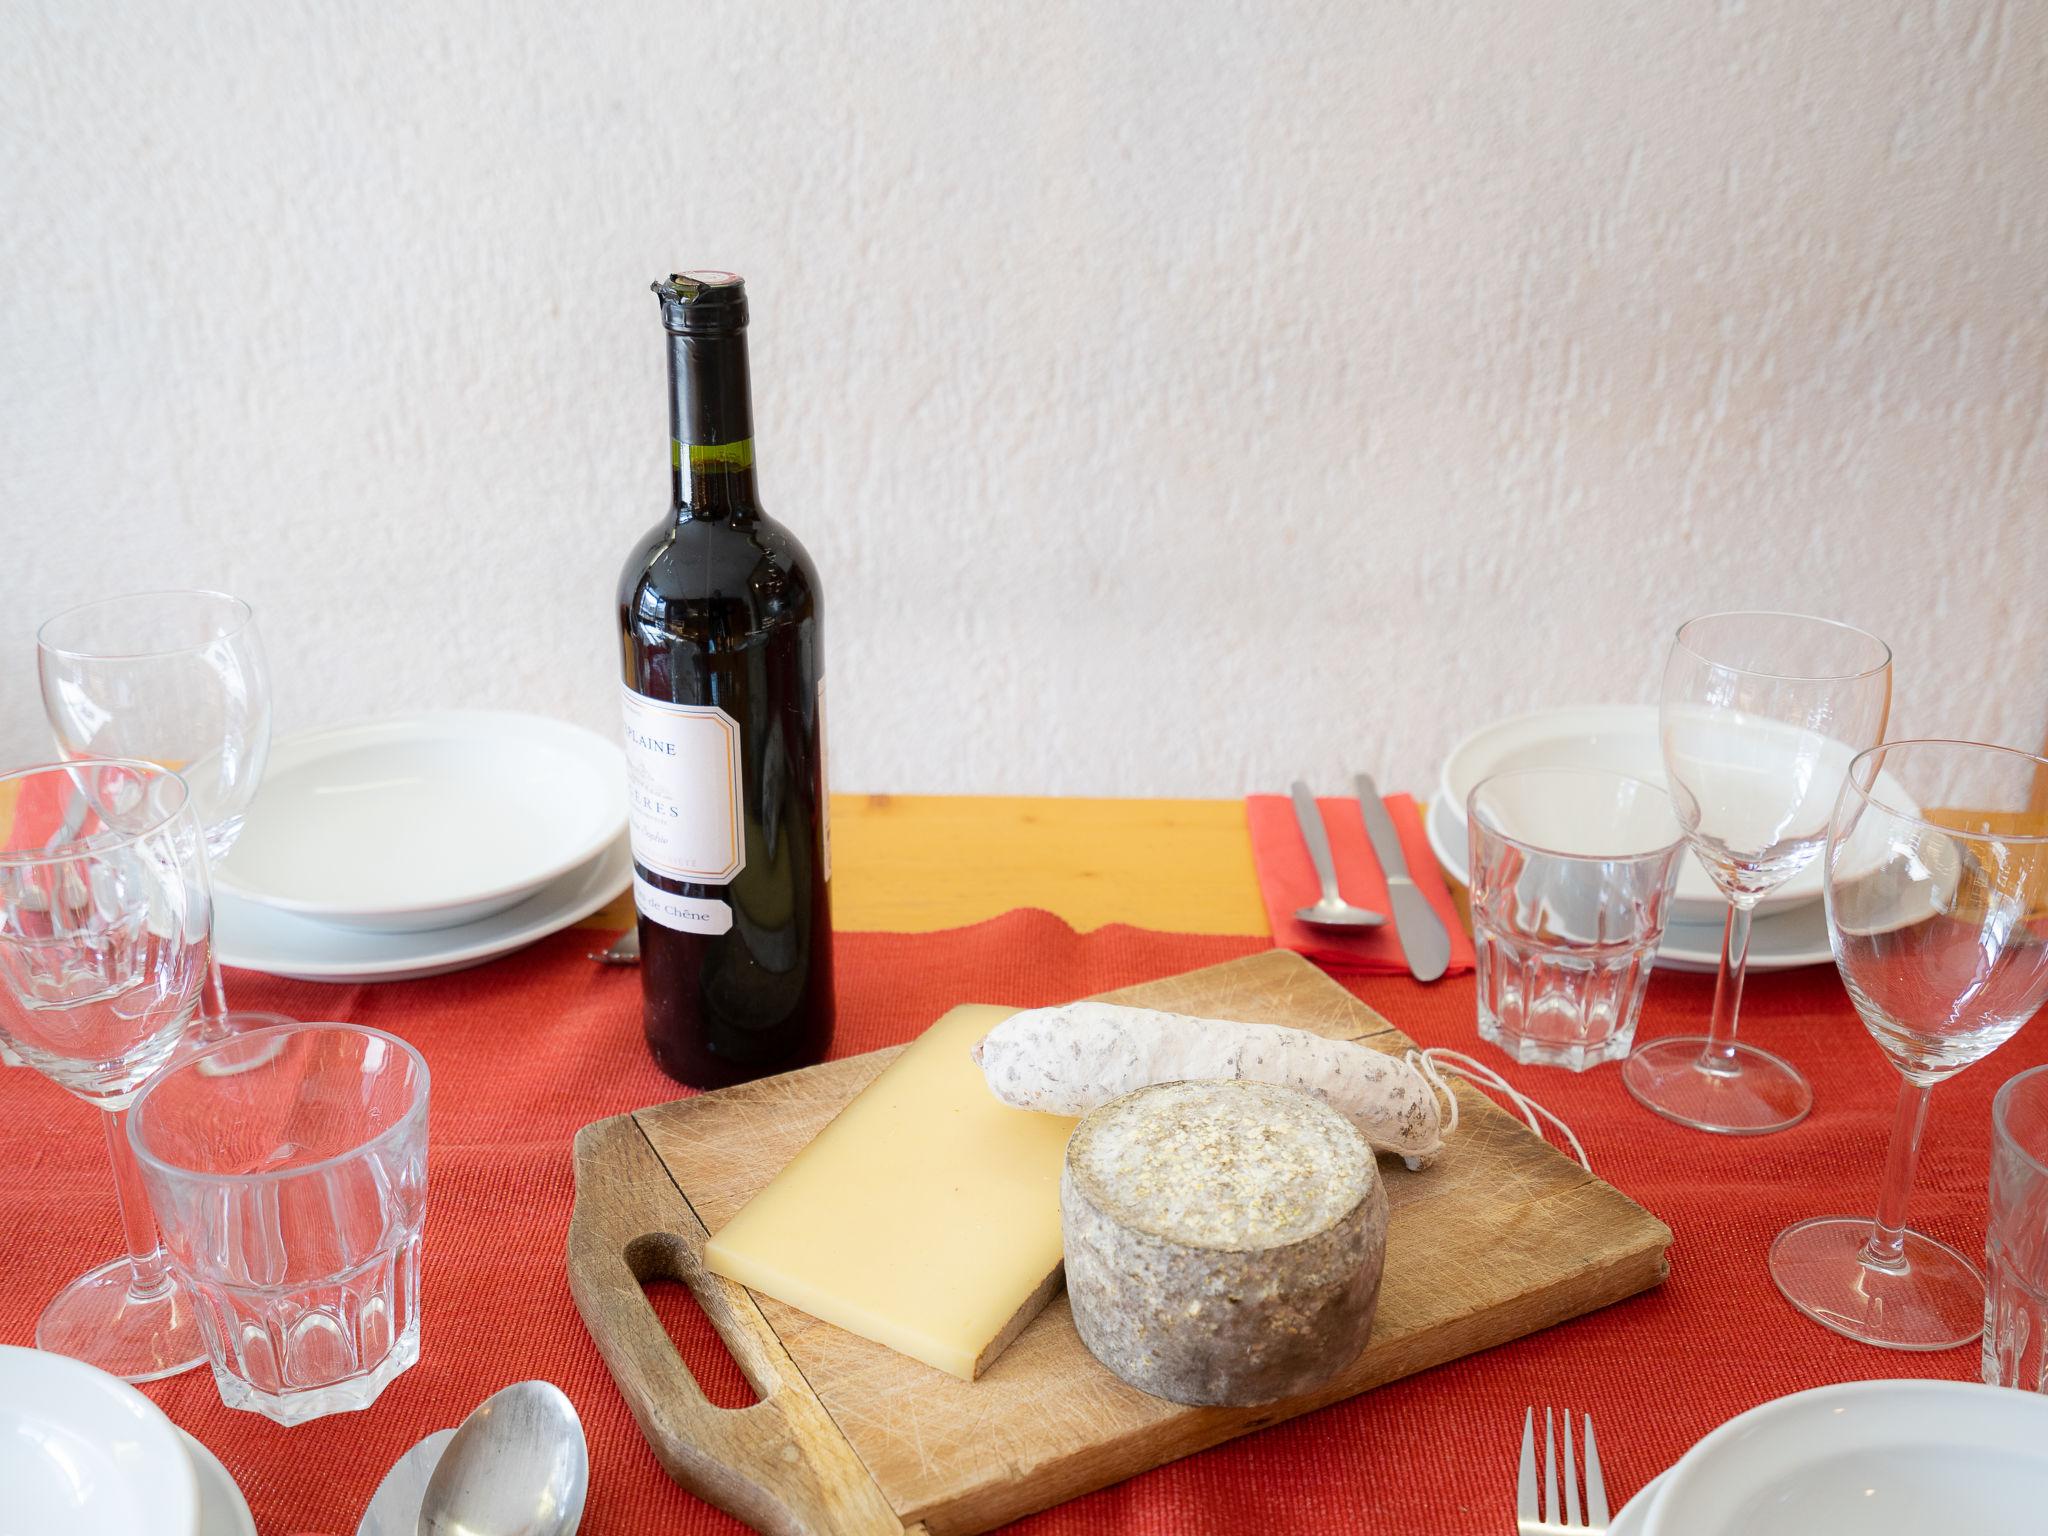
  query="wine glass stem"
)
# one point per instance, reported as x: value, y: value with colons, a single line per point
x: 1886, y: 1248
x: 1718, y: 1056
x: 212, y: 1023
x: 149, y: 1275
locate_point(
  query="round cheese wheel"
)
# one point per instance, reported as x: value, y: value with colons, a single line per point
x: 1224, y: 1239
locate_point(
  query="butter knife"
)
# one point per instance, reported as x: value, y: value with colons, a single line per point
x: 1424, y: 940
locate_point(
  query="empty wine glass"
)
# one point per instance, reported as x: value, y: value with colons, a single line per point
x: 1761, y: 714
x: 1937, y: 897
x: 104, y: 925
x: 176, y: 678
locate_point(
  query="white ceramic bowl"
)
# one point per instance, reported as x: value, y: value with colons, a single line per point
x: 1870, y: 1458
x: 425, y: 821
x: 86, y: 1454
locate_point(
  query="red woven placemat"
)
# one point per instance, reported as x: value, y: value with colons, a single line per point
x: 527, y: 1050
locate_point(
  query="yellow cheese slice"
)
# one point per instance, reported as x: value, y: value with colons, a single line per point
x: 926, y: 1216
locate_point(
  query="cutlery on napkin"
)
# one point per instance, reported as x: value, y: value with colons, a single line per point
x: 1287, y: 881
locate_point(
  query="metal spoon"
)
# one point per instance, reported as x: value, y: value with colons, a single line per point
x: 1332, y: 911
x: 394, y: 1509
x: 518, y: 1466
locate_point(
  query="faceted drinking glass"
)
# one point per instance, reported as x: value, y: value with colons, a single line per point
x: 1572, y: 871
x: 2016, y: 1242
x: 104, y: 928
x: 1937, y: 899
x: 288, y: 1170
x: 1760, y: 716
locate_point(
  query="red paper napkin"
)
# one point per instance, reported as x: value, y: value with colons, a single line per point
x: 1287, y: 881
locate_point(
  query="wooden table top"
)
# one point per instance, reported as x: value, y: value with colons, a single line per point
x: 913, y: 863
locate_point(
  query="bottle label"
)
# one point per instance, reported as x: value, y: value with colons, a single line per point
x: 685, y: 914
x: 683, y: 789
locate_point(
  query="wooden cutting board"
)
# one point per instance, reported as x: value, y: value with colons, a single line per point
x: 1501, y: 1237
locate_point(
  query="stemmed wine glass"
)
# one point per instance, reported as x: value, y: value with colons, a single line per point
x: 104, y: 928
x: 177, y: 678
x: 1760, y: 716
x: 1937, y: 898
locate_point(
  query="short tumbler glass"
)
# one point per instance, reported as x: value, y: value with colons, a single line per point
x: 288, y: 1171
x: 1571, y: 875
x: 2016, y: 1245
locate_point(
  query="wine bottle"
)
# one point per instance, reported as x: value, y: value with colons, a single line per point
x: 724, y: 700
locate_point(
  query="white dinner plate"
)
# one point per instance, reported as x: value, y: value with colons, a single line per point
x: 86, y: 1454
x: 1621, y: 738
x: 1870, y: 1458
x: 1777, y: 942
x: 425, y: 821
x: 222, y: 1509
x: 256, y: 938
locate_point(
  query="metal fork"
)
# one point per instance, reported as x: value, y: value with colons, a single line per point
x: 624, y: 950
x: 1555, y: 1519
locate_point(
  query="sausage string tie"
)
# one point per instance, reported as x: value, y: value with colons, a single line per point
x: 1440, y: 1061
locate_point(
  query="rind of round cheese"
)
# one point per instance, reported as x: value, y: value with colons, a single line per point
x: 1224, y: 1240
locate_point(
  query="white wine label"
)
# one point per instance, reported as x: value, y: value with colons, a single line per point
x: 685, y: 914
x: 824, y: 785
x: 683, y: 789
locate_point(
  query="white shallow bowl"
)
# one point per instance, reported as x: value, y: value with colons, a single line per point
x: 259, y: 939
x: 87, y: 1455
x: 425, y: 821
x: 1621, y: 738
x: 1871, y: 1458
x: 1778, y: 941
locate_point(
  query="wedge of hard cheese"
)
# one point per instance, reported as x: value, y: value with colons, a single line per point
x: 926, y: 1216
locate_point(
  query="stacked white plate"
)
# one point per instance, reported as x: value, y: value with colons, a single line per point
x: 1871, y: 1458
x: 86, y: 1454
x: 1791, y: 925
x: 413, y: 846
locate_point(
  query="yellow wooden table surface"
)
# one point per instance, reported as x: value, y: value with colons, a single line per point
x: 913, y: 863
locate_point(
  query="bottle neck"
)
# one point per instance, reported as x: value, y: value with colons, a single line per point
x: 711, y: 425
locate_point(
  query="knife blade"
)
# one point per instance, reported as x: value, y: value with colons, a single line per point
x: 394, y: 1509
x: 1423, y: 938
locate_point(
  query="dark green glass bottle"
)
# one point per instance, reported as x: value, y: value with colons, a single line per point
x: 724, y: 699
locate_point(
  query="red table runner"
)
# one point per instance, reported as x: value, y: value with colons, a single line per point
x: 527, y: 1050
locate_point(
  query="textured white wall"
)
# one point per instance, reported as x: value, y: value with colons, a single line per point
x: 1176, y: 397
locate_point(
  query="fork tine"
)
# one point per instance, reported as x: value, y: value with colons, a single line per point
x: 1549, y: 1472
x: 1596, y: 1490
x: 1571, y: 1471
x: 1525, y: 1475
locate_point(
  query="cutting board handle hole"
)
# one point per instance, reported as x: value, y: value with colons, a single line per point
x: 704, y: 1353
x: 658, y: 1262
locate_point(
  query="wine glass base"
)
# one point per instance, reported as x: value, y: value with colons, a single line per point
x: 211, y: 1028
x: 1756, y: 1094
x: 97, y: 1319
x: 1935, y: 1301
